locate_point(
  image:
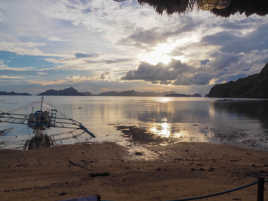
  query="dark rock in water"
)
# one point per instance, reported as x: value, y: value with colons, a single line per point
x: 38, y: 141
x: 254, y: 86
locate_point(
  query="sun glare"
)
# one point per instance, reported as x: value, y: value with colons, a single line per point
x: 163, y: 52
x: 164, y: 99
x: 159, y: 54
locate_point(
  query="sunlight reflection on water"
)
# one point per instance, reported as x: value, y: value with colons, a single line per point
x: 241, y: 122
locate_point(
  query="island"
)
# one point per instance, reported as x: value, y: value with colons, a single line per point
x: 184, y: 95
x: 132, y: 93
x: 74, y: 92
x: 64, y: 92
x: 12, y: 93
x: 254, y: 86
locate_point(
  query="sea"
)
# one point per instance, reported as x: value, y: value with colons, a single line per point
x: 239, y: 122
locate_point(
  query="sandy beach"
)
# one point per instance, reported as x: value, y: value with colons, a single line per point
x: 177, y: 171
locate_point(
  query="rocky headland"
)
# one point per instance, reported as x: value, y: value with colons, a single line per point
x: 254, y: 86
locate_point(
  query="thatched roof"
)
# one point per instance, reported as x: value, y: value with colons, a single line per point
x: 247, y: 7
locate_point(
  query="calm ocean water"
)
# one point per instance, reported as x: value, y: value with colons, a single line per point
x: 241, y: 122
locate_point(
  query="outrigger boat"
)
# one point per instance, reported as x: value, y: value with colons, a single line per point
x: 42, y: 120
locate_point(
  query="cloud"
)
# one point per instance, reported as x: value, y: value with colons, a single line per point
x: 109, y: 61
x: 238, y: 55
x: 83, y: 55
x: 7, y: 77
x: 46, y: 82
x: 73, y: 79
x: 105, y: 76
x: 175, y: 73
x: 230, y: 42
x: 144, y: 38
x: 197, y: 78
x: 114, y: 61
x: 98, y: 41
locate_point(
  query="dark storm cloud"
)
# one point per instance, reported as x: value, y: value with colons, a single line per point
x: 176, y: 73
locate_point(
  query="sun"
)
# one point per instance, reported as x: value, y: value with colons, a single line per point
x: 164, y: 52
x: 159, y: 54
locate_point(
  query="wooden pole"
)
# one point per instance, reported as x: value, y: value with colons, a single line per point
x: 260, y: 189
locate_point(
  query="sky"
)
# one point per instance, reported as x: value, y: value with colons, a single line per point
x: 104, y: 45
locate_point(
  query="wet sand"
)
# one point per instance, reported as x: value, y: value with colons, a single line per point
x: 179, y: 170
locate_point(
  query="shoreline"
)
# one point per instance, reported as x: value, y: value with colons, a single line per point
x: 180, y: 170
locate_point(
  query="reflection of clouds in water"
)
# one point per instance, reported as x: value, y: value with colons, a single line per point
x: 176, y: 112
x: 212, y: 111
x: 178, y: 119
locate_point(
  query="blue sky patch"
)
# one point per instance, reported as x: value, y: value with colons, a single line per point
x: 14, y: 60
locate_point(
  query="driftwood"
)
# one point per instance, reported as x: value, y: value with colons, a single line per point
x: 93, y: 175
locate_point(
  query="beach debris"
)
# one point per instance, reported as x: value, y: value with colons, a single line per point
x: 102, y: 174
x: 237, y: 199
x: 71, y: 163
x: 93, y: 175
x: 138, y: 153
x: 178, y: 159
x: 62, y: 193
x: 211, y: 169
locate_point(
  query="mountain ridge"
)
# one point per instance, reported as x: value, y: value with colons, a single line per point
x: 74, y: 92
x: 64, y: 92
x: 253, y: 86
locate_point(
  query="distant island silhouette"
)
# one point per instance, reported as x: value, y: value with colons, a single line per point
x: 12, y: 93
x: 74, y: 92
x: 254, y: 86
x: 64, y: 92
x: 184, y: 95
